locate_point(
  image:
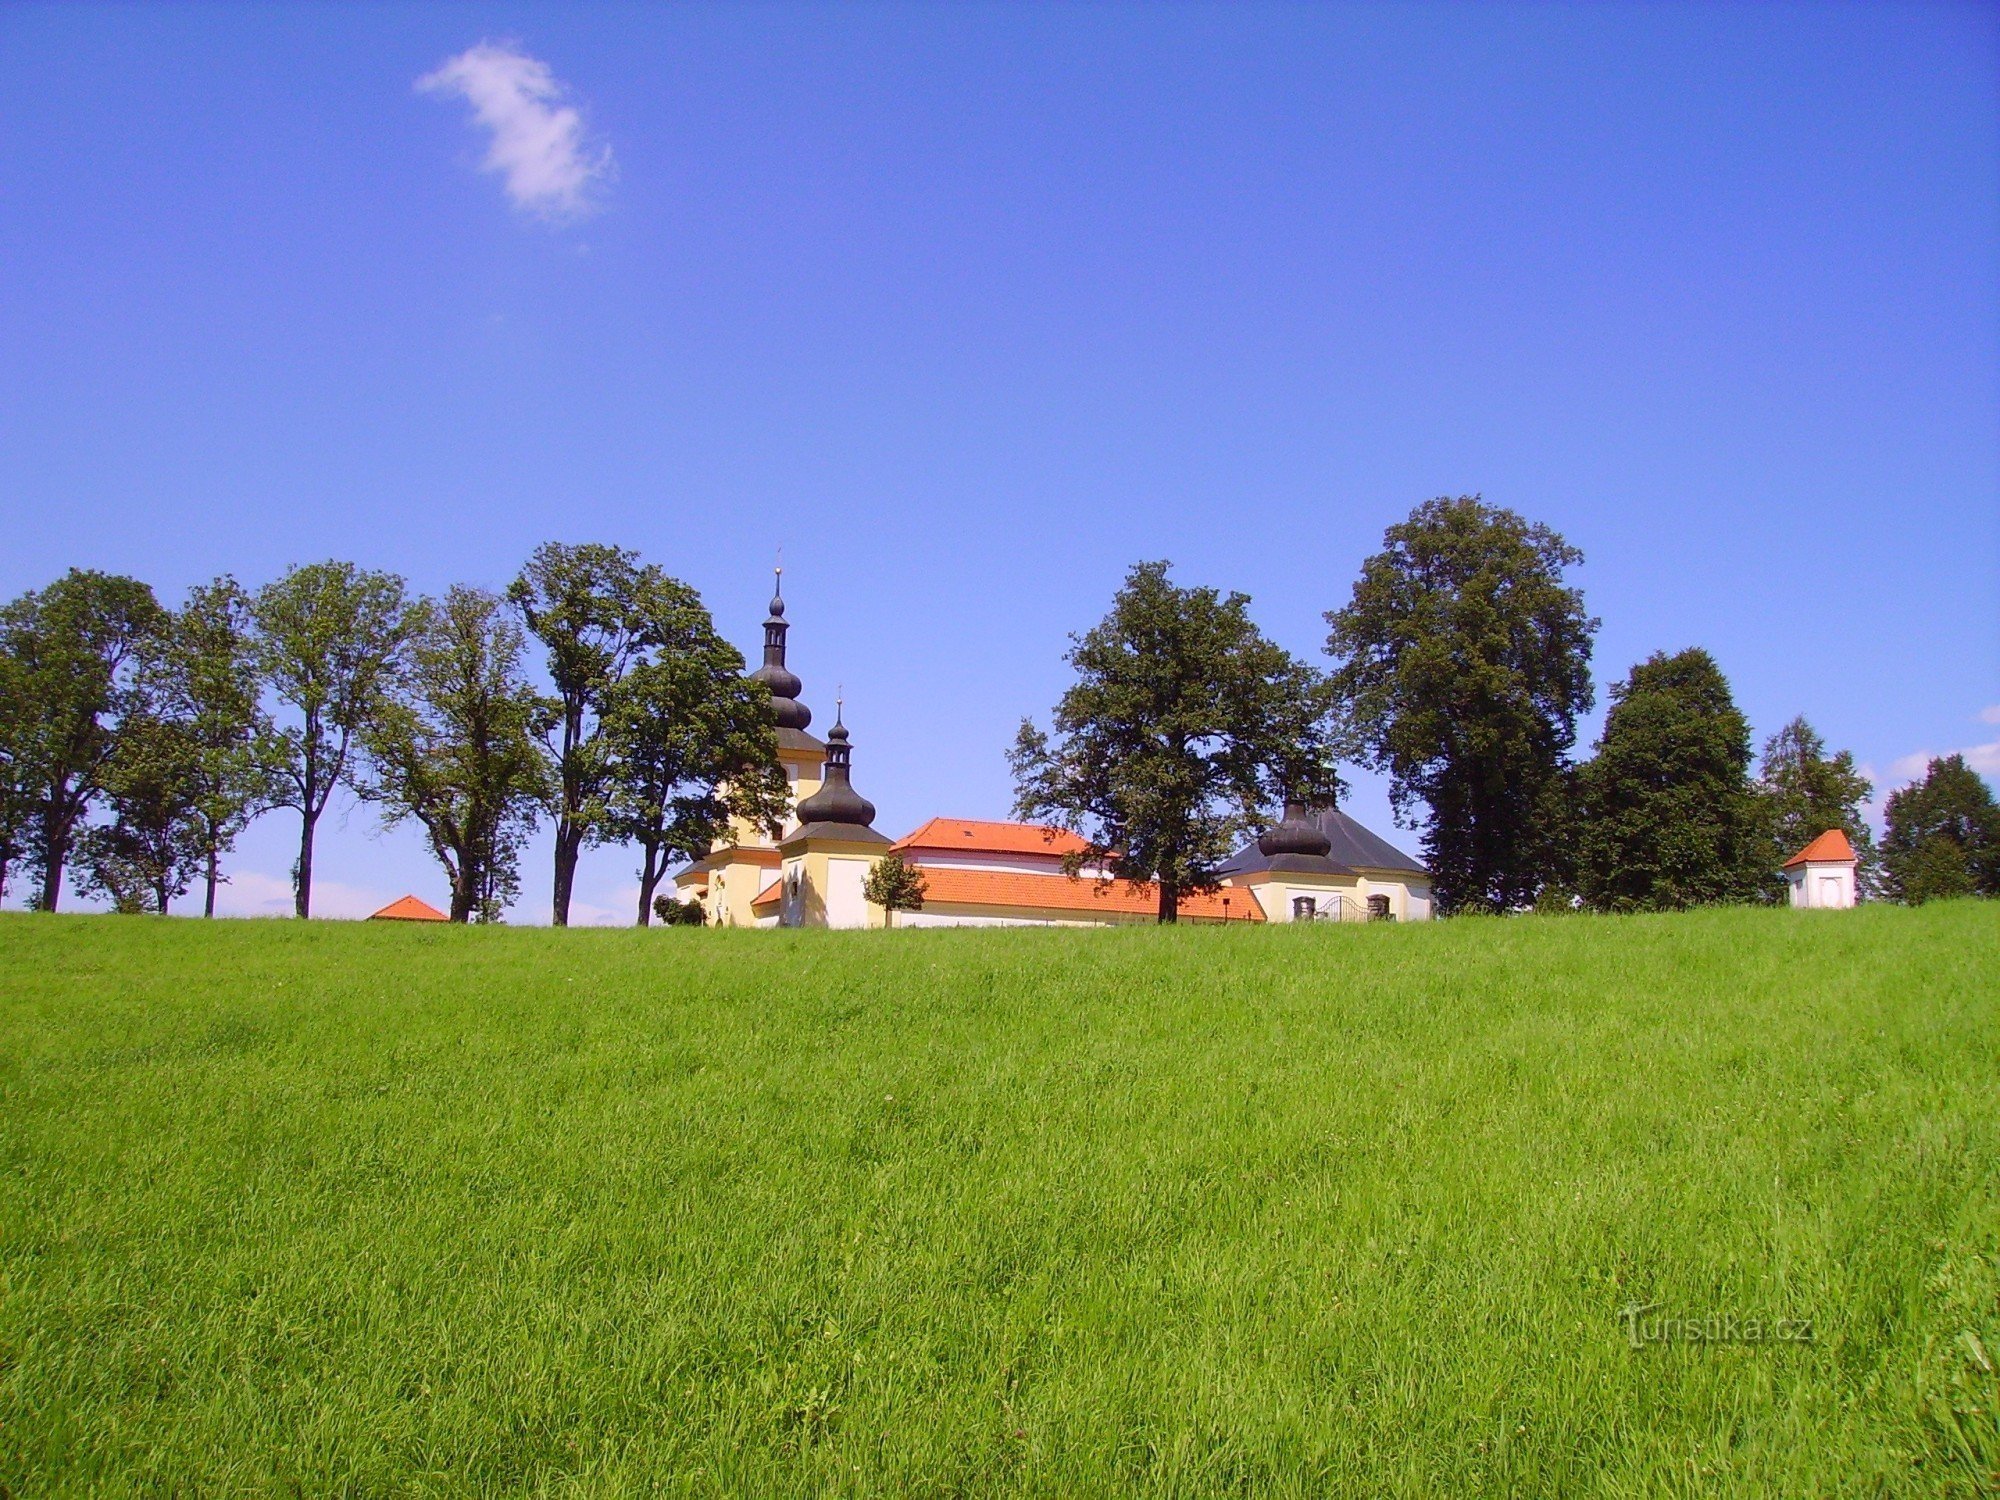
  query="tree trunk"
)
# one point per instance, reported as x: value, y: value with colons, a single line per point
x: 569, y: 840
x: 302, y: 878
x: 55, y: 850
x: 649, y: 880
x: 208, y: 901
x: 6, y: 858
x: 160, y: 895
x: 463, y: 893
x: 1170, y: 900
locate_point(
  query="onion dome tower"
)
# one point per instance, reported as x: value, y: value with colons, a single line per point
x: 774, y: 674
x: 828, y: 856
x: 836, y: 810
x: 1296, y: 845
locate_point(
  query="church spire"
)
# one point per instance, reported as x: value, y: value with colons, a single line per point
x: 774, y: 674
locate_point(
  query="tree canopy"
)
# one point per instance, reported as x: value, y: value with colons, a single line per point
x: 894, y: 884
x: 1183, y: 727
x: 73, y: 654
x: 1462, y: 662
x: 1669, y: 818
x: 578, y: 601
x: 327, y: 638
x: 690, y: 742
x: 1942, y: 836
x: 451, y: 746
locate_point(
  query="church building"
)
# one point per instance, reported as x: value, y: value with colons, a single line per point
x: 1313, y: 865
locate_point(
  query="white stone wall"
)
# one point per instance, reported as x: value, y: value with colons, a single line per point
x: 1822, y: 887
x: 991, y: 859
x: 845, y: 905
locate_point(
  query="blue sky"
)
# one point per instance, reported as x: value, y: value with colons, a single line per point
x: 970, y: 307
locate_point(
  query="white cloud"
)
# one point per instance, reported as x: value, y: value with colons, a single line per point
x: 1990, y: 715
x: 1985, y: 759
x: 538, y: 142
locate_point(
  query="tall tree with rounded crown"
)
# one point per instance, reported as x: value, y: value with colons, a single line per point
x: 452, y: 747
x: 1668, y: 816
x: 74, y: 652
x: 578, y: 601
x: 690, y: 741
x: 1942, y: 836
x: 327, y: 638
x: 1462, y: 663
x: 1184, y: 726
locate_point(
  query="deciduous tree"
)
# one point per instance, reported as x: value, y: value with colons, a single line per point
x: 1942, y: 836
x: 1806, y: 792
x: 327, y: 636
x: 690, y: 742
x: 151, y: 851
x: 1669, y: 818
x: 1184, y: 726
x: 73, y: 653
x: 579, y: 602
x: 452, y: 747
x: 894, y: 885
x: 204, y: 681
x: 1461, y: 665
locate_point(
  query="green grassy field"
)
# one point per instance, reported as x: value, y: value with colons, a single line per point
x: 361, y: 1209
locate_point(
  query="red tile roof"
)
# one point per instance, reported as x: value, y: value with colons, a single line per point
x: 1830, y: 847
x: 992, y: 838
x: 954, y: 887
x: 769, y: 895
x: 409, y: 909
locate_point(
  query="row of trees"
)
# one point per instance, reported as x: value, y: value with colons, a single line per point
x: 1461, y: 666
x: 137, y: 742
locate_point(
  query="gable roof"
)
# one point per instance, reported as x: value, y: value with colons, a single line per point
x: 980, y: 837
x: 1354, y: 847
x: 950, y: 886
x: 408, y: 909
x: 1829, y: 848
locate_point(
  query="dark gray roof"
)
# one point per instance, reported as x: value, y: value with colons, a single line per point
x: 846, y: 833
x: 798, y: 739
x: 1353, y: 846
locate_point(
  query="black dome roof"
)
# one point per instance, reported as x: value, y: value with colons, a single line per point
x: 774, y: 674
x: 1295, y: 834
x: 836, y: 801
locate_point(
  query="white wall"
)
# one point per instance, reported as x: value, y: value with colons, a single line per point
x: 988, y: 859
x: 1822, y: 887
x: 791, y: 907
x: 845, y: 905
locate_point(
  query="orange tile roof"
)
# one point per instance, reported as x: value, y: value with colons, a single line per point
x: 1829, y: 848
x: 955, y: 887
x: 992, y: 838
x: 409, y: 909
x: 769, y: 895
